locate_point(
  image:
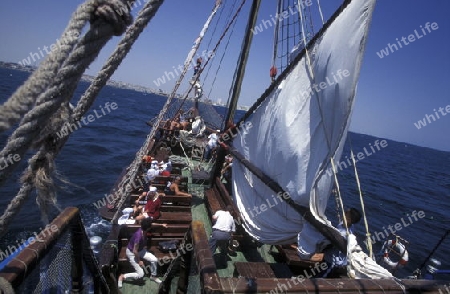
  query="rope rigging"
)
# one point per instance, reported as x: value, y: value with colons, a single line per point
x: 227, y: 28
x: 290, y: 35
x: 107, y: 19
x: 171, y: 107
x: 223, y: 54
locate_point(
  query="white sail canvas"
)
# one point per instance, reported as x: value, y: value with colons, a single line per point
x: 298, y: 129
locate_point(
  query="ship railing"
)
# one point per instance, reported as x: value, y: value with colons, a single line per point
x: 58, y: 260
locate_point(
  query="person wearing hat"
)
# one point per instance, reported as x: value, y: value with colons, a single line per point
x: 153, y: 206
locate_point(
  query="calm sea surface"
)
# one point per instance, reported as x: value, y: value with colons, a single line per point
x: 398, y: 180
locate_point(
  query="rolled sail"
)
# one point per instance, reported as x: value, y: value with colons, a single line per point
x: 300, y: 125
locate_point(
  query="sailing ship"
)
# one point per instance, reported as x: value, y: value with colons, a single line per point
x: 284, y: 149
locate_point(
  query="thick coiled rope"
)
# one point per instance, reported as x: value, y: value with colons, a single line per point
x: 24, y: 98
x: 51, y: 113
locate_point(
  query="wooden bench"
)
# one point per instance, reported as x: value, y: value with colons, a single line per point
x: 180, y: 200
x: 165, y: 179
x: 213, y: 201
x: 161, y: 188
x: 177, y: 200
x: 225, y: 196
x: 175, y: 218
x: 293, y: 259
x: 175, y: 208
x: 159, y: 228
x: 254, y: 270
x: 171, y: 231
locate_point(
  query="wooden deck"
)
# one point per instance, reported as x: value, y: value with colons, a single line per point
x: 251, y: 268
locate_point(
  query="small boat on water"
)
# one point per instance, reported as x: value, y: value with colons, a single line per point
x: 283, y: 153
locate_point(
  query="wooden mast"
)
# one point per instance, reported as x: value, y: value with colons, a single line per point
x: 239, y: 76
x: 242, y: 62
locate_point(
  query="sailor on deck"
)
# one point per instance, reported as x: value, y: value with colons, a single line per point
x: 311, y: 241
x: 198, y: 127
x: 211, y: 145
x: 222, y: 230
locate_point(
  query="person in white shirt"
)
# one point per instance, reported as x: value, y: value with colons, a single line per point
x: 198, y: 127
x: 212, y: 143
x: 222, y: 230
x: 153, y: 171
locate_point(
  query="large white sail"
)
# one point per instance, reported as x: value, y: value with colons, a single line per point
x: 299, y: 127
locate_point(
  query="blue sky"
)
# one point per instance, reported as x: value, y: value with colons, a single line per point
x: 394, y: 92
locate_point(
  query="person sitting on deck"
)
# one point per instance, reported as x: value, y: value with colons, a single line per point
x: 179, y: 122
x: 166, y: 167
x: 175, y: 122
x: 174, y: 188
x: 153, y: 171
x: 335, y: 259
x: 142, y: 200
x: 152, y: 207
x: 184, y: 122
x: 136, y: 251
x: 222, y: 230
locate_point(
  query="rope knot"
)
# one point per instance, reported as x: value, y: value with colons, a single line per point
x: 116, y: 13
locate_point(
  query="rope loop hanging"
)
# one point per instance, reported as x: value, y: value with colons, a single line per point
x: 116, y: 13
x: 58, y: 77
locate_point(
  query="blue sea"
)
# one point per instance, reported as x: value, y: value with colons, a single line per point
x: 406, y: 188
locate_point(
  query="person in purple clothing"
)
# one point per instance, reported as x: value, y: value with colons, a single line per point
x: 137, y: 251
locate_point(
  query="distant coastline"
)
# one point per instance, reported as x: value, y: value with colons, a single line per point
x: 117, y: 84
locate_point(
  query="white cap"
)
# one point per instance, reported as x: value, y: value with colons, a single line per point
x: 152, y: 189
